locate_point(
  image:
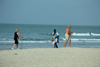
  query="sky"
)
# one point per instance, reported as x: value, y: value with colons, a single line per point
x: 51, y: 12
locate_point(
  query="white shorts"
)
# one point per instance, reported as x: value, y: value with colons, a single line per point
x: 66, y: 36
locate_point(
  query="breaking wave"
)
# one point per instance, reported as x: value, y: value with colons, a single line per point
x: 85, y: 34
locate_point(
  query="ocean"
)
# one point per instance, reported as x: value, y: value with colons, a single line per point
x: 40, y: 36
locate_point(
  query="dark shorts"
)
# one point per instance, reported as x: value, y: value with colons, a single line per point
x: 16, y: 41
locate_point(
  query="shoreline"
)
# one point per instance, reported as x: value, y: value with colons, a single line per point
x: 48, y: 48
x: 48, y: 45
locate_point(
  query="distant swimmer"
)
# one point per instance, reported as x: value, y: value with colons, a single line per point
x: 16, y: 36
x: 67, y: 35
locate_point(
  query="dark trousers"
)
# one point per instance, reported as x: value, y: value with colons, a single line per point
x: 55, y: 45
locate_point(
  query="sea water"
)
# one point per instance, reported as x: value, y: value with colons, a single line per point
x: 40, y: 36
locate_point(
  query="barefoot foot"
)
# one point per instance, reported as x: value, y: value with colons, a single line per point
x: 64, y: 47
x: 70, y: 46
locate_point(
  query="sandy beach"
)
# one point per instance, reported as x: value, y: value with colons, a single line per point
x: 50, y: 57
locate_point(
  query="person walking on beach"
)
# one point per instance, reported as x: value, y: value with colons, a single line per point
x: 67, y: 35
x: 16, y: 36
x: 55, y: 38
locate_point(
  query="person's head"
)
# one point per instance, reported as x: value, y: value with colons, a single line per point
x: 54, y: 31
x: 69, y: 26
x: 17, y: 30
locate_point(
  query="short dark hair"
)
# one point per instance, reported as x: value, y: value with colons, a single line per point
x: 54, y: 30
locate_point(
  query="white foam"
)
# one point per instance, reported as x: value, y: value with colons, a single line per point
x: 94, y: 34
x: 85, y: 34
x: 62, y: 40
x: 87, y: 39
x: 84, y: 40
x: 80, y: 34
x: 34, y: 41
x: 25, y: 41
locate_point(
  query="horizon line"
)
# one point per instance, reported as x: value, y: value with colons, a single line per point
x: 49, y: 24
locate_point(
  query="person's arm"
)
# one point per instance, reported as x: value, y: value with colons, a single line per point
x: 70, y: 32
x: 20, y: 36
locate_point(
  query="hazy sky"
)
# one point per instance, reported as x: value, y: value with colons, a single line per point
x: 60, y: 12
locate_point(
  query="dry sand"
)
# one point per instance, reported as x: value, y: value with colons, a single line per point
x: 51, y: 57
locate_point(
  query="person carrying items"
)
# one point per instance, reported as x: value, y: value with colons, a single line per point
x: 55, y: 39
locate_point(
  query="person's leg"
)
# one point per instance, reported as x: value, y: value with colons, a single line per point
x: 65, y: 43
x: 66, y: 37
x: 56, y: 45
x: 17, y: 46
x: 13, y: 46
x: 69, y: 42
